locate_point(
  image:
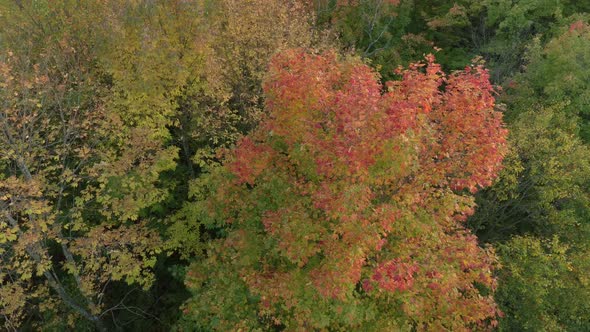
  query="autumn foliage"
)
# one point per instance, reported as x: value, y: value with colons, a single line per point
x: 294, y: 165
x: 345, y: 208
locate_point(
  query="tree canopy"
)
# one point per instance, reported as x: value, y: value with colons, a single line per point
x: 270, y: 165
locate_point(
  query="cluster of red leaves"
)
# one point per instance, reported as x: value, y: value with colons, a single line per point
x: 392, y: 275
x: 578, y: 26
x: 379, y: 180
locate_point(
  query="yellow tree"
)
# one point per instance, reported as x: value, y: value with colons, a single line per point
x: 75, y: 172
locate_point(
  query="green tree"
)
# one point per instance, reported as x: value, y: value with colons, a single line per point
x: 376, y: 29
x: 395, y: 32
x: 538, y: 212
x: 553, y: 76
x: 543, y: 286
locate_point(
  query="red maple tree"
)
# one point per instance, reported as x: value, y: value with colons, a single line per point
x: 345, y: 207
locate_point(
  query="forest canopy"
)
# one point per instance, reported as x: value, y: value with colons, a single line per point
x: 294, y: 165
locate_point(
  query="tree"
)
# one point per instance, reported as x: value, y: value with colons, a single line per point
x: 556, y: 77
x: 393, y: 32
x: 344, y: 209
x: 376, y: 29
x: 75, y: 176
x: 543, y: 189
x: 543, y: 285
x: 537, y: 214
x: 537, y: 217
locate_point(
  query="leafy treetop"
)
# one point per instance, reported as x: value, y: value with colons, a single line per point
x: 345, y: 207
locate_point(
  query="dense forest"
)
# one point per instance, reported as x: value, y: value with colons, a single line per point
x: 294, y: 165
